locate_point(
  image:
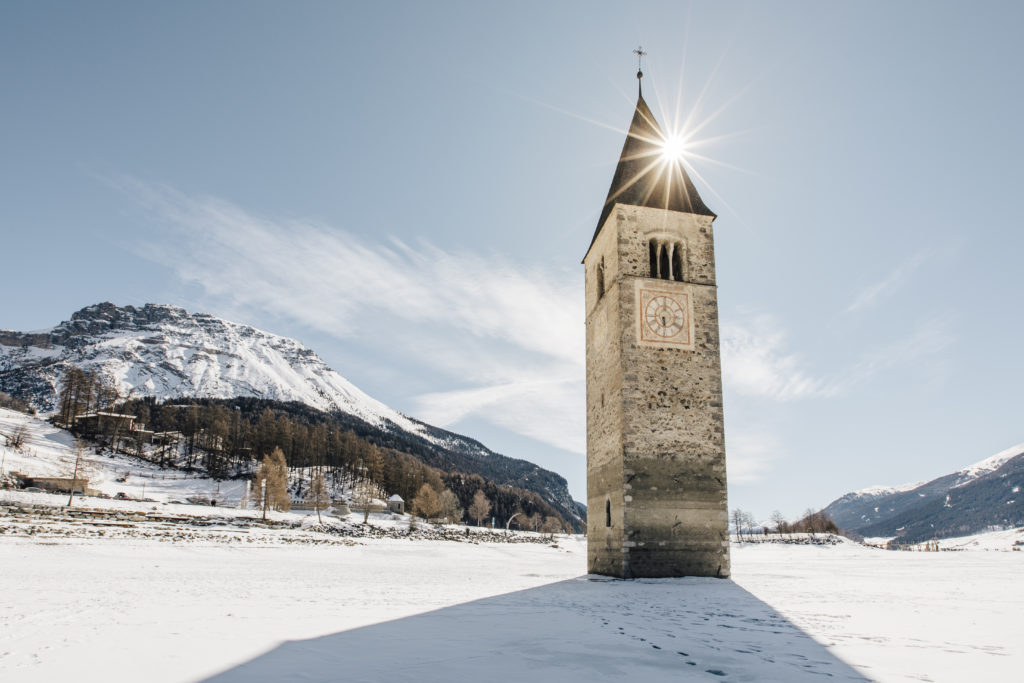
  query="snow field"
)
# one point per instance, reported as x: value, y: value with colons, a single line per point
x: 49, y: 452
x: 403, y: 610
x: 898, y: 616
x: 187, y: 603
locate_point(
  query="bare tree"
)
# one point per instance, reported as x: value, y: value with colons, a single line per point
x: 552, y: 526
x: 79, y: 469
x: 810, y: 521
x: 16, y: 439
x: 364, y: 494
x: 749, y: 523
x: 427, y: 504
x: 480, y: 508
x: 779, y: 520
x: 318, y: 494
x: 450, y: 509
x: 738, y: 518
x: 273, y: 477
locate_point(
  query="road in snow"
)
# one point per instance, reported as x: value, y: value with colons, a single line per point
x: 400, y: 610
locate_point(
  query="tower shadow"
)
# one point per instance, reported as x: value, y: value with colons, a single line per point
x: 586, y: 629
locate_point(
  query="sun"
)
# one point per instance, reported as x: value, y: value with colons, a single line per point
x: 673, y: 148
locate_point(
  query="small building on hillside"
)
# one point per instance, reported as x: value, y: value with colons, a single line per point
x: 396, y: 504
x: 105, y: 423
x: 165, y: 438
x: 57, y: 484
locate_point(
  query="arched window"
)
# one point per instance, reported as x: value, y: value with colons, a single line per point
x: 607, y: 512
x: 600, y: 280
x: 666, y: 260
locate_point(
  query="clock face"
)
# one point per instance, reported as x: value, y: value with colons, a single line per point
x: 665, y: 315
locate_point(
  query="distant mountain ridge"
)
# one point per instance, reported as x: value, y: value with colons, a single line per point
x: 987, y: 493
x: 166, y: 352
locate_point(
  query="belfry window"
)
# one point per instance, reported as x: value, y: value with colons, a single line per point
x: 666, y: 260
x: 677, y: 264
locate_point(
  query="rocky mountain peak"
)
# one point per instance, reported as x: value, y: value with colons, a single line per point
x: 166, y: 352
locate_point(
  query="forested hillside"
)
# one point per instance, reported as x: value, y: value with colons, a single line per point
x: 163, y: 355
x: 228, y: 438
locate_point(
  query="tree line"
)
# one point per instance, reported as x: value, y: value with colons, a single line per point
x: 83, y: 392
x: 812, y: 522
x: 234, y: 438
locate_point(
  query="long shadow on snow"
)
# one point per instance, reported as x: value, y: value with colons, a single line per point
x: 586, y: 629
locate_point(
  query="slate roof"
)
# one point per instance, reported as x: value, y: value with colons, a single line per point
x: 644, y: 178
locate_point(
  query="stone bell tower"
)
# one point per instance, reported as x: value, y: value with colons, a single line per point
x: 656, y: 487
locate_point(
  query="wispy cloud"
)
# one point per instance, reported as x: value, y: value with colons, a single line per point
x: 547, y: 409
x: 756, y: 362
x: 509, y: 336
x: 874, y: 293
x: 923, y: 345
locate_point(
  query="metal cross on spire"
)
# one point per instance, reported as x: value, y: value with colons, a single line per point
x: 640, y: 54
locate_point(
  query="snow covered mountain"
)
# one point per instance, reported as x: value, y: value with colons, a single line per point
x: 166, y: 352
x: 987, y: 493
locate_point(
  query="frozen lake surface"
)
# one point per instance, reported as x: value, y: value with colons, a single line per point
x: 122, y: 609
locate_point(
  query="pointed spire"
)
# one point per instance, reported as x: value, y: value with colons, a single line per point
x: 644, y: 177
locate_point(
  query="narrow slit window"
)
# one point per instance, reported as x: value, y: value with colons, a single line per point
x: 608, y: 513
x: 600, y: 280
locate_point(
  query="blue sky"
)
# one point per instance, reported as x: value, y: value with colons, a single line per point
x: 409, y: 188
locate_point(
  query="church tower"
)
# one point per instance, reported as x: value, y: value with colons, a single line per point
x: 656, y: 488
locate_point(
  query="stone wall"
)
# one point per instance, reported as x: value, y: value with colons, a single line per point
x: 655, y: 431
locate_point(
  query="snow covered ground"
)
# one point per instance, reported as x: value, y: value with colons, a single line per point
x: 49, y: 452
x: 158, y: 600
x: 1001, y: 540
x: 412, y: 610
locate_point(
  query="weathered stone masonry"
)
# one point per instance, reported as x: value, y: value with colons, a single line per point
x: 656, y: 484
